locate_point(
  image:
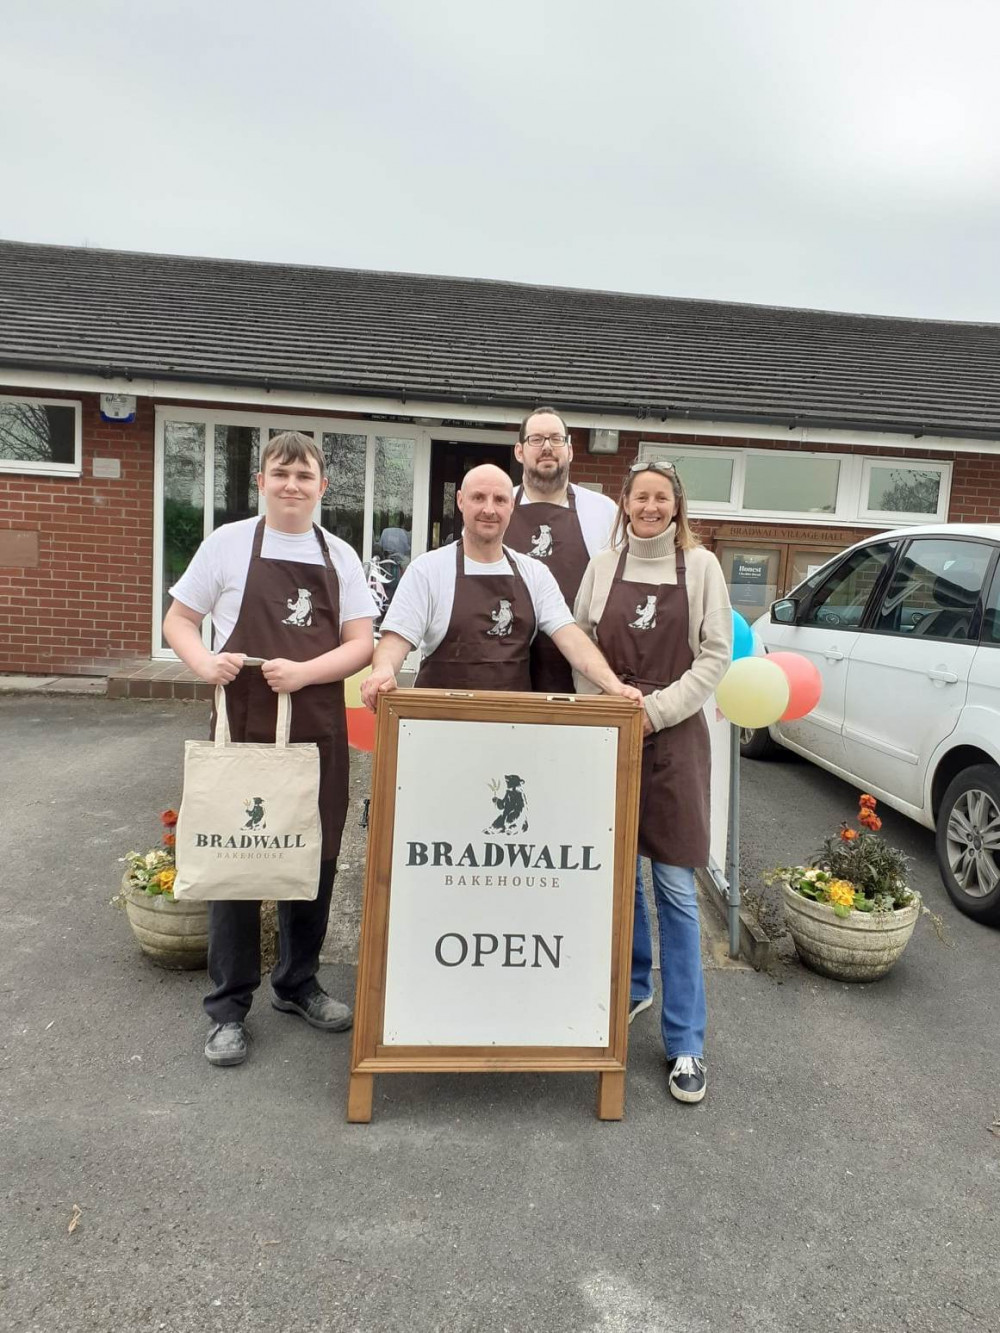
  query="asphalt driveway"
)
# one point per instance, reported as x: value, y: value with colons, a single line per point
x: 841, y: 1173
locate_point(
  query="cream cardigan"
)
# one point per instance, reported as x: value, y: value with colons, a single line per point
x: 710, y: 620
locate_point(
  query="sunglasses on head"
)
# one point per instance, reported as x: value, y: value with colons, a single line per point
x: 654, y: 465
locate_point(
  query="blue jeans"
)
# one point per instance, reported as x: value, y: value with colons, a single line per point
x: 683, y: 1019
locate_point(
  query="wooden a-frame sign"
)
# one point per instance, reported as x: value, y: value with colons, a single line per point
x: 496, y: 931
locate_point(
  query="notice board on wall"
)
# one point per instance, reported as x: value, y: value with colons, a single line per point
x: 497, y: 921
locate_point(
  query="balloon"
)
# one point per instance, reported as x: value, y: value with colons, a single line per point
x: 805, y: 684
x: 742, y: 638
x: 361, y: 729
x: 352, y: 688
x: 753, y: 692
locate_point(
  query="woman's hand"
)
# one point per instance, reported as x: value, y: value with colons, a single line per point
x: 647, y: 726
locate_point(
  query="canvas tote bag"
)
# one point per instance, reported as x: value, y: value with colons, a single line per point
x: 249, y: 824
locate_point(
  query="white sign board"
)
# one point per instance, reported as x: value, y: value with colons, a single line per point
x: 499, y: 927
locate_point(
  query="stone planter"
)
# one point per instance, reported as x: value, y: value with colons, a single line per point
x: 173, y: 934
x: 860, y: 947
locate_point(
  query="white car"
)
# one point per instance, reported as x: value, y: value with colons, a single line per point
x: 905, y: 630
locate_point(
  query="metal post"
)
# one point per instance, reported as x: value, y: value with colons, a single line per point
x: 733, y: 847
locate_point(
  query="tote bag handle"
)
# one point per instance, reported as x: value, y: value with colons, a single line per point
x: 281, y: 731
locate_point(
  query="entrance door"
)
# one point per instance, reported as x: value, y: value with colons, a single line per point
x: 450, y: 461
x: 754, y: 576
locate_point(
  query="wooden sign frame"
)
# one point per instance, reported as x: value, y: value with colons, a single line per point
x: 370, y: 1054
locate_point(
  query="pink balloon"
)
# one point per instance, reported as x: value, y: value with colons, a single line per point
x: 805, y: 684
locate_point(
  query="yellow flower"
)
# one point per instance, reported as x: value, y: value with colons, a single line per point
x: 841, y: 891
x: 166, y: 878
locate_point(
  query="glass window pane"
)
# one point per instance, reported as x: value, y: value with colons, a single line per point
x: 31, y: 433
x: 183, y: 498
x: 392, y: 520
x: 237, y: 451
x: 935, y: 589
x: 991, y: 622
x: 903, y: 490
x: 791, y: 483
x: 343, y: 505
x: 841, y: 600
x: 705, y: 480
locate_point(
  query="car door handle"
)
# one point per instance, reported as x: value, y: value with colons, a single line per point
x: 946, y: 677
x: 833, y: 654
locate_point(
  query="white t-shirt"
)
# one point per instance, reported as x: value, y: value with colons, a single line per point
x: 596, y: 513
x: 421, y: 609
x: 214, y: 581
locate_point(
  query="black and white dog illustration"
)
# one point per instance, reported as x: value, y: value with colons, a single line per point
x: 512, y: 804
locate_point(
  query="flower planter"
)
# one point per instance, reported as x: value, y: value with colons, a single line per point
x: 173, y: 934
x: 860, y: 947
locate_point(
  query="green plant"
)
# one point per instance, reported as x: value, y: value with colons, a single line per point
x: 854, y: 870
x: 152, y: 872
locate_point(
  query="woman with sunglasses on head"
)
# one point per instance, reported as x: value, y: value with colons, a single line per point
x: 657, y: 604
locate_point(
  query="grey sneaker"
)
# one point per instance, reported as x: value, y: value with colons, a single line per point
x: 227, y: 1044
x: 318, y: 1009
x: 686, y: 1080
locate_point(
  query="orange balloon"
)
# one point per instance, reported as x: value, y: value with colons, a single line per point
x: 805, y: 684
x: 361, y: 729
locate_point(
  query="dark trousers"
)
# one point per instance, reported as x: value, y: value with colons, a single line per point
x: 234, y: 949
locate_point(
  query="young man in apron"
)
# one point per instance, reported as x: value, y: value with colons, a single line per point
x: 281, y: 589
x: 560, y: 524
x: 474, y: 608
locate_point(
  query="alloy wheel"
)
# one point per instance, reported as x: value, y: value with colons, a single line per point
x: 973, y: 842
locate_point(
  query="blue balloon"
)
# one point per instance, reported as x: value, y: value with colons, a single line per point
x: 742, y: 638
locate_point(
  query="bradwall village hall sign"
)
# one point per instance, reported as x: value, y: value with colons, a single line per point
x: 497, y: 923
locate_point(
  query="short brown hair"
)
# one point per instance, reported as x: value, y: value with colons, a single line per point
x: 291, y: 446
x: 537, y: 412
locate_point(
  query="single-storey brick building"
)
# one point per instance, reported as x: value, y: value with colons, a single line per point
x: 135, y: 391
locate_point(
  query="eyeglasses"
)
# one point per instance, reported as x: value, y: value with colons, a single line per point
x: 537, y: 441
x: 654, y: 465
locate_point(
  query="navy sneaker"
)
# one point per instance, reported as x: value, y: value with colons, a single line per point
x: 686, y: 1080
x: 227, y: 1044
x: 318, y: 1009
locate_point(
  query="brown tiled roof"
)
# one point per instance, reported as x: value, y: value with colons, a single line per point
x: 481, y: 342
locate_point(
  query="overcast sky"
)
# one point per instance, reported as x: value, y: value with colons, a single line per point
x: 841, y: 154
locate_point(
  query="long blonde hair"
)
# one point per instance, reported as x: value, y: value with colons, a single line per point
x: 684, y: 537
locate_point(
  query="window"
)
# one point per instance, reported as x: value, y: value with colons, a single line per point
x: 991, y: 620
x: 797, y: 485
x: 899, y: 489
x: 935, y: 589
x: 840, y: 601
x: 40, y: 435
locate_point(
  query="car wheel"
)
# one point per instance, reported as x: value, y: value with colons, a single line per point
x: 756, y: 743
x: 968, y: 842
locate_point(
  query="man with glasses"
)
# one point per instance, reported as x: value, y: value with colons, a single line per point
x: 557, y: 523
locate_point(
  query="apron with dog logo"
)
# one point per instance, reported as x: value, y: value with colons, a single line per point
x: 551, y: 533
x: 488, y: 640
x: 643, y: 632
x: 292, y: 610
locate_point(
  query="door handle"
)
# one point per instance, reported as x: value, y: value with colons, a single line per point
x: 833, y: 654
x: 946, y: 677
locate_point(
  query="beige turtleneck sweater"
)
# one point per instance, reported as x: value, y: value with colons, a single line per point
x: 710, y: 620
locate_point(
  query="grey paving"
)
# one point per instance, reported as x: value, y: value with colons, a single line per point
x: 842, y: 1172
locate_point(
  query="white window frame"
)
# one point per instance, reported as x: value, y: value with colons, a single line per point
x: 74, y: 469
x: 906, y: 465
x: 852, y: 487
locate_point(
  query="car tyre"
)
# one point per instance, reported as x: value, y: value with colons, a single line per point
x: 756, y: 743
x: 968, y: 842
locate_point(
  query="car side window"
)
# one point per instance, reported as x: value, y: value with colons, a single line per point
x: 991, y: 619
x: 935, y: 589
x: 840, y: 601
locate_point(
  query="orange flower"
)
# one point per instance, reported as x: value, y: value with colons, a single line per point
x: 848, y: 834
x: 875, y: 823
x: 169, y: 818
x: 867, y: 802
x: 169, y: 839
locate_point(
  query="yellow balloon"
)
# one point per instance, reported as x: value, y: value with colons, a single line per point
x: 352, y: 688
x: 753, y: 692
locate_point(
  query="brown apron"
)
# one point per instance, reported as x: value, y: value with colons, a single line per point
x: 565, y: 552
x: 488, y: 640
x: 292, y: 610
x: 643, y: 633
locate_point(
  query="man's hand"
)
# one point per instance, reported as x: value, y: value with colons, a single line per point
x: 381, y: 681
x: 283, y: 676
x: 221, y: 668
x: 630, y: 692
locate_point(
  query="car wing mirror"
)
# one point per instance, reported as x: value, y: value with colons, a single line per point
x: 784, y: 612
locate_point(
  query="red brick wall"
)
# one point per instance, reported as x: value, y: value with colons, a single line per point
x: 87, y: 603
